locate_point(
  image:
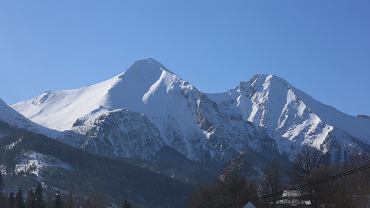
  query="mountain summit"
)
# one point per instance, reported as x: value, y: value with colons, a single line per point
x: 122, y: 91
x: 292, y: 117
x: 263, y: 113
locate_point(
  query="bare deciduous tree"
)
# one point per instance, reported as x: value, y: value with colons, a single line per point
x: 96, y: 201
x: 272, y: 181
x: 232, y: 189
x: 308, y: 161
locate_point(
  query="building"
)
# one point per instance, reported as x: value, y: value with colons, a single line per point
x: 249, y: 205
x: 293, y: 198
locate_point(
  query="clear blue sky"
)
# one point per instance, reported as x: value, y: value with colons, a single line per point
x: 320, y: 46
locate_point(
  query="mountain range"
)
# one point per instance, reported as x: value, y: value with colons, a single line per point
x: 150, y: 118
x: 140, y: 111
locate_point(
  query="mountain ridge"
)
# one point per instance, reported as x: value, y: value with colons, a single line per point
x: 266, y: 110
x: 15, y: 119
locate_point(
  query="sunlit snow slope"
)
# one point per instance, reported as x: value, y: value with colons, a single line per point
x: 292, y: 117
x: 15, y: 119
x: 192, y: 122
x: 186, y: 119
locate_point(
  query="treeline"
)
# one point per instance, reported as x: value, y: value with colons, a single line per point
x: 304, y: 182
x: 232, y: 189
x: 114, y: 178
x: 35, y: 198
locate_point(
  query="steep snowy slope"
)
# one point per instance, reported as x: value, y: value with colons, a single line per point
x: 132, y: 89
x: 60, y: 109
x: 13, y: 118
x: 193, y: 123
x: 185, y: 118
x: 292, y: 117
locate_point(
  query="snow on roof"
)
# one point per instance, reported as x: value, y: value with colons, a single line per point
x: 249, y: 205
x: 291, y: 193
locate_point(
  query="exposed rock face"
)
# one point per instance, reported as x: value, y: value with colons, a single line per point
x: 118, y: 133
x: 293, y: 118
x: 161, y: 109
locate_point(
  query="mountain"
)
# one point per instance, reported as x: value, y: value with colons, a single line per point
x: 293, y: 118
x: 161, y: 108
x: 27, y: 158
x: 15, y: 119
x: 265, y: 115
x: 363, y: 116
x: 116, y: 133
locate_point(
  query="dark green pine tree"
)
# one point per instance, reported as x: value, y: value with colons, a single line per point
x: 70, y: 201
x: 39, y: 200
x: 31, y: 200
x: 126, y: 204
x: 3, y: 198
x: 3, y: 201
x: 19, y: 201
x: 1, y: 182
x: 58, y: 203
x: 11, y: 200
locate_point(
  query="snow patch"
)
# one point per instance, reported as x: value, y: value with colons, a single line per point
x: 12, y: 145
x: 33, y: 162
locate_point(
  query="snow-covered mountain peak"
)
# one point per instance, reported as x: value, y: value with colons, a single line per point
x: 133, y: 90
x: 144, y: 79
x: 364, y: 116
x: 191, y: 121
x: 290, y: 115
x: 145, y: 67
x: 265, y: 81
x: 261, y: 82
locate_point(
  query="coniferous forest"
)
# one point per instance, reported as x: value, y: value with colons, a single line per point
x: 37, y: 198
